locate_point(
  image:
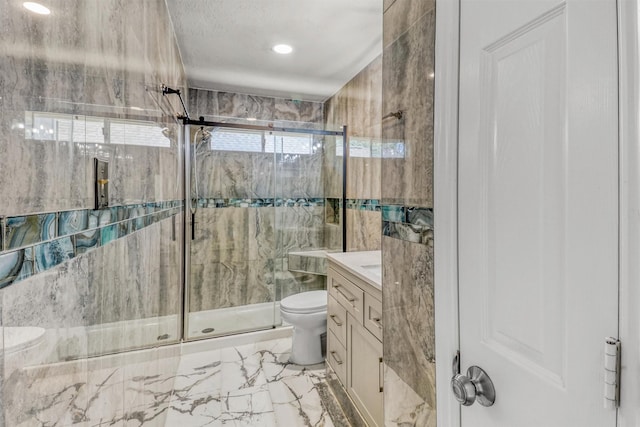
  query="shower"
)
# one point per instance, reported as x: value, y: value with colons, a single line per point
x: 256, y: 195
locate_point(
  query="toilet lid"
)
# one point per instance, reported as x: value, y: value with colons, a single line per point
x: 306, y: 302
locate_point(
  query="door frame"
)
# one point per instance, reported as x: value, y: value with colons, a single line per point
x: 445, y: 176
x: 446, y: 100
x: 629, y: 190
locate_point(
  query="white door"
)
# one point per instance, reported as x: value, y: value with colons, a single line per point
x: 538, y: 207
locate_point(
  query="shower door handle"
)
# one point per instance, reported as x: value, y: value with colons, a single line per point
x: 193, y: 226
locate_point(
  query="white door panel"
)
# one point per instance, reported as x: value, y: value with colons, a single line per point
x: 538, y: 207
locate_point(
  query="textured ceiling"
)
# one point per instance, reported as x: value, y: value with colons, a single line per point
x: 226, y: 44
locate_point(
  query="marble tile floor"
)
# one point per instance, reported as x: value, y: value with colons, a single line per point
x: 246, y: 385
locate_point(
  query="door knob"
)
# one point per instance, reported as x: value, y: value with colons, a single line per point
x: 476, y: 385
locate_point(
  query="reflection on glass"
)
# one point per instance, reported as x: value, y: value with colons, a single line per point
x: 372, y: 148
x: 262, y: 198
x: 43, y: 126
x: 263, y: 142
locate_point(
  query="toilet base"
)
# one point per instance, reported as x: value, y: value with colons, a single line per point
x: 306, y: 348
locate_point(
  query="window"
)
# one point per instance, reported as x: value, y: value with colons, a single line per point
x: 367, y: 147
x: 236, y: 140
x: 131, y: 132
x: 262, y: 142
x: 289, y: 143
x: 97, y: 130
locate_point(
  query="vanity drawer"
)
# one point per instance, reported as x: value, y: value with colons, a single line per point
x: 337, y: 357
x: 347, y: 294
x: 373, y: 316
x: 337, y: 319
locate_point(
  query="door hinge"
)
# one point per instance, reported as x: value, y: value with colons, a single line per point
x: 611, y: 373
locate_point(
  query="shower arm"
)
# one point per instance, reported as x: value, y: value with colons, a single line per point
x: 166, y: 90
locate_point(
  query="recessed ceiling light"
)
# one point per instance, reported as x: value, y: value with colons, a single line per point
x: 136, y: 108
x: 251, y: 119
x: 282, y: 49
x: 36, y: 8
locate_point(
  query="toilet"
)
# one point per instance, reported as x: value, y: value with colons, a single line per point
x: 307, y: 313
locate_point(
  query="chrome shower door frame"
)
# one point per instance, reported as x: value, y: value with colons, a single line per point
x: 189, y: 217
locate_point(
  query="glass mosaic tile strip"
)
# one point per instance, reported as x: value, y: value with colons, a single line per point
x: 70, y: 222
x: 11, y: 265
x: 87, y: 240
x: 420, y: 216
x: 55, y: 252
x: 124, y: 228
x: 18, y: 232
x: 108, y: 234
x: 20, y: 264
x: 412, y: 224
x: 22, y: 231
x: 217, y: 203
x: 28, y: 266
x: 393, y: 213
x: 408, y: 232
x: 364, y: 204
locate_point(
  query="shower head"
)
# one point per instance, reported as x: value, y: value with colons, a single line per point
x: 201, y: 139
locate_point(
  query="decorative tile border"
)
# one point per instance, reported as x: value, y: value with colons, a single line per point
x: 218, y: 203
x: 412, y: 224
x: 31, y: 244
x: 364, y: 204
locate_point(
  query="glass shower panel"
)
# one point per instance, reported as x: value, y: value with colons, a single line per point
x: 333, y: 186
x: 300, y: 211
x: 266, y: 207
x: 232, y: 247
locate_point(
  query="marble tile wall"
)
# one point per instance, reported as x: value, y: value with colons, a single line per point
x: 255, y: 207
x: 104, y: 289
x: 216, y: 106
x: 358, y: 105
x: 407, y: 209
x: 239, y: 256
x: 68, y: 82
x: 61, y: 64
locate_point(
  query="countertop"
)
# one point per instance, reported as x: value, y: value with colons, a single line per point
x: 367, y: 265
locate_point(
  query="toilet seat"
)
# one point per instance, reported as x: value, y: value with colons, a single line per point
x: 305, y: 303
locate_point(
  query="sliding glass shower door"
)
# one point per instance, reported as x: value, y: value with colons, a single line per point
x: 257, y: 196
x: 232, y: 250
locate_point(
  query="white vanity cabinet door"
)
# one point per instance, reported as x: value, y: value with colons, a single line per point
x: 373, y: 315
x: 364, y: 371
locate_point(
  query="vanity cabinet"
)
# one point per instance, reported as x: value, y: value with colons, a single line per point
x: 364, y: 371
x: 354, y: 340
